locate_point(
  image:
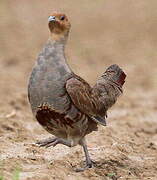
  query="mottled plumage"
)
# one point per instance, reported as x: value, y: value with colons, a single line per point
x: 62, y: 102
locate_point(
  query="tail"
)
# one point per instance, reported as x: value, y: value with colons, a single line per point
x: 107, y: 89
x: 115, y: 75
x: 109, y: 86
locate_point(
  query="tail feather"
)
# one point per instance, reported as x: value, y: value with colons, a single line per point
x: 121, y: 79
x: 99, y: 120
x: 115, y: 74
x: 107, y: 89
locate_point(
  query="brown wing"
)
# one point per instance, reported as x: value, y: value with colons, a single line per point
x: 81, y: 95
x: 85, y: 99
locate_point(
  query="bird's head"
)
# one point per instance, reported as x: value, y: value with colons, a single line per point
x: 59, y: 25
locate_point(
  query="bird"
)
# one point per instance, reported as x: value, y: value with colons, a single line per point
x: 62, y: 102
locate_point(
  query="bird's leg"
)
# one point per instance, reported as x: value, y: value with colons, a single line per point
x: 53, y: 142
x: 88, y: 160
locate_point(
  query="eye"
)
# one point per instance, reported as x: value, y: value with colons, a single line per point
x: 62, y: 18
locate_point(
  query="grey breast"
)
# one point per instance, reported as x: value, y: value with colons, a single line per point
x: 48, y: 79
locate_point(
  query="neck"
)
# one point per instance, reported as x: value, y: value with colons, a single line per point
x: 54, y: 54
x: 59, y: 37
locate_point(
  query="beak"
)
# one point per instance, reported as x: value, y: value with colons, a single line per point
x: 51, y: 18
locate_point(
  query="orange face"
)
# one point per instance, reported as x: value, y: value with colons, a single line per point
x: 58, y: 23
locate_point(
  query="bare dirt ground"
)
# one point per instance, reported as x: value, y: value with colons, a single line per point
x: 103, y: 33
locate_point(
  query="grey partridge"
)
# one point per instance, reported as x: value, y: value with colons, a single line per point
x: 62, y: 102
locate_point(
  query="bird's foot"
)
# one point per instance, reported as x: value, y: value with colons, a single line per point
x: 53, y: 142
x: 88, y: 165
x: 48, y: 142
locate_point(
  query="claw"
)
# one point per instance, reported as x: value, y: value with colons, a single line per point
x: 46, y: 142
x: 90, y: 165
x: 53, y: 142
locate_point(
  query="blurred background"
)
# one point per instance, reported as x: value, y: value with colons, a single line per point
x: 103, y: 32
